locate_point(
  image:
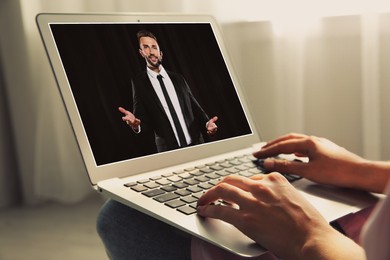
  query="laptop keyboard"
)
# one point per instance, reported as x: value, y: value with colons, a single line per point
x: 180, y: 190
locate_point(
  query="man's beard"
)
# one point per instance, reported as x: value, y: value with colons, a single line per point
x: 154, y: 64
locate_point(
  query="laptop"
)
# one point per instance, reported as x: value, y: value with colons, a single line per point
x: 95, y: 58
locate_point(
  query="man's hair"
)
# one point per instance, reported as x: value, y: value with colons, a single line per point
x: 144, y: 33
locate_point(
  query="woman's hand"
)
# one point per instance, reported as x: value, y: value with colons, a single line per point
x: 328, y: 163
x: 273, y: 213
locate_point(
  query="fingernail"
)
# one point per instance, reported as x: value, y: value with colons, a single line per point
x: 269, y: 164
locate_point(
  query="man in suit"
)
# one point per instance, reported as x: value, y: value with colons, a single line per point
x: 163, y: 103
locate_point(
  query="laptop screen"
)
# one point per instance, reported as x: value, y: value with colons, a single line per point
x: 105, y: 67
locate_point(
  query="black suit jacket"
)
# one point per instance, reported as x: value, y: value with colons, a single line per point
x: 148, y: 108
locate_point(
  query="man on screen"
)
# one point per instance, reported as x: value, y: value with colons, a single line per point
x: 163, y: 103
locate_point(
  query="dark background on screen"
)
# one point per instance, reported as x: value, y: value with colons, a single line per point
x: 100, y: 61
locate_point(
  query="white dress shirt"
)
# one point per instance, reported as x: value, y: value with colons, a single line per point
x: 174, y: 99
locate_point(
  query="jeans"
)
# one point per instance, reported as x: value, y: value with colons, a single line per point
x: 129, y: 234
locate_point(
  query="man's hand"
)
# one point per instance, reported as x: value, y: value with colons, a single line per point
x: 211, y: 126
x: 129, y: 118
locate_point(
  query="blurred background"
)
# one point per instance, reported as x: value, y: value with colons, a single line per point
x: 316, y: 67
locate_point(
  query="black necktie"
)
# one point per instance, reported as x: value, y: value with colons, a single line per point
x: 179, y: 129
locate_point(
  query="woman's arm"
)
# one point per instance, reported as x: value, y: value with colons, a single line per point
x: 328, y: 163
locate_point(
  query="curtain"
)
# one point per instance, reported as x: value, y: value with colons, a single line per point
x: 9, y: 179
x: 326, y: 79
x: 323, y: 75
